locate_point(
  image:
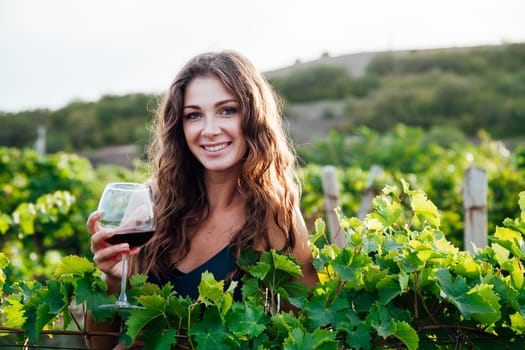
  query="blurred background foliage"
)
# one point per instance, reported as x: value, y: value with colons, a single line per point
x: 44, y: 205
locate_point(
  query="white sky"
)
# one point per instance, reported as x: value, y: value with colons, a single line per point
x: 54, y: 51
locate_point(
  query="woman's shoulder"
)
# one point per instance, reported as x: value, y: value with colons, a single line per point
x: 277, y: 239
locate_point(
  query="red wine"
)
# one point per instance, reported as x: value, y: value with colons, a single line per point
x: 134, y: 237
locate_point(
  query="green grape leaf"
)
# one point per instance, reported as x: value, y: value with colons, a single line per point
x: 5, y: 222
x: 480, y: 302
x: 286, y: 263
x: 501, y: 254
x: 325, y: 256
x: 260, y: 270
x: 324, y: 339
x: 4, y: 261
x: 73, y: 265
x: 250, y: 288
x: 210, y: 290
x: 294, y: 289
x: 338, y: 312
x: 517, y: 276
x: 351, y: 267
x: 407, y: 335
x: 509, y: 294
x: 386, y: 212
x: 359, y: 338
x: 423, y: 206
x: 446, y: 247
x: 389, y: 288
x: 246, y: 320
x: 403, y: 280
x: 153, y: 302
x: 210, y: 332
x: 176, y: 308
x: 511, y: 240
x: 93, y: 297
x: 521, y: 203
x: 284, y: 322
x: 319, y: 235
x: 140, y: 318
x: 24, y: 215
x: 226, y: 304
x: 138, y: 280
x: 517, y: 322
x: 298, y: 340
x: 466, y: 266
x: 13, y: 309
x: 319, y: 339
x: 380, y: 319
x: 157, y: 337
x: 53, y: 297
x: 43, y: 316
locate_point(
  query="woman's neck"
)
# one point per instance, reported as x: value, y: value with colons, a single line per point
x: 222, y: 191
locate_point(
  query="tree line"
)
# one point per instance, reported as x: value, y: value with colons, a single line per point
x: 465, y: 89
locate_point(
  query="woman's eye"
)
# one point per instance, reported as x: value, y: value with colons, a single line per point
x: 229, y: 111
x: 193, y: 115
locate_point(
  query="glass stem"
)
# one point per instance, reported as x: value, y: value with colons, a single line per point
x: 123, y: 299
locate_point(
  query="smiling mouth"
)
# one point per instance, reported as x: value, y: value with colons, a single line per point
x: 216, y: 148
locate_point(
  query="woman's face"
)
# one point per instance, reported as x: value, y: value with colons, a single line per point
x: 212, y: 124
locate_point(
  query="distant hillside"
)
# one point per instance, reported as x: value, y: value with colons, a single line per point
x: 356, y: 63
x: 466, y: 88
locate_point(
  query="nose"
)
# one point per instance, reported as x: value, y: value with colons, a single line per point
x: 211, y: 127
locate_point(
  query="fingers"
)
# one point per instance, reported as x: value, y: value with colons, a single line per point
x: 98, y: 239
x: 111, y: 255
x: 134, y: 251
x: 92, y: 221
x: 109, y: 259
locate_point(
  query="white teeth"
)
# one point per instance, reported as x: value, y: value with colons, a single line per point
x: 215, y: 148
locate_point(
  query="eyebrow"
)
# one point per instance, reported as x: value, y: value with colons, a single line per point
x: 220, y: 103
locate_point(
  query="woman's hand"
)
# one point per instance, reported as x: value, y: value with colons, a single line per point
x: 107, y: 256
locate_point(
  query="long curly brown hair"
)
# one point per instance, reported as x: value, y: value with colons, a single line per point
x: 267, y: 182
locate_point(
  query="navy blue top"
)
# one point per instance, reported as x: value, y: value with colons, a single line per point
x: 186, y: 284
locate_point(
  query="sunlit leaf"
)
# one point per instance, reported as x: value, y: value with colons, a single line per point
x: 511, y: 240
x: 518, y: 321
x: 423, y: 206
x: 210, y: 290
x: 407, y: 335
x: 286, y: 264
x: 74, y: 265
x: 5, y: 222
x: 13, y: 311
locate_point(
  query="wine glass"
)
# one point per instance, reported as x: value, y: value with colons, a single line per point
x: 127, y: 208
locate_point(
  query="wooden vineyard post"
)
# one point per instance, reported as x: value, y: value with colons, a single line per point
x: 368, y: 194
x: 331, y: 201
x: 475, y: 205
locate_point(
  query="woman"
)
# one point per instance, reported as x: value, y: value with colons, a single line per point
x: 223, y: 179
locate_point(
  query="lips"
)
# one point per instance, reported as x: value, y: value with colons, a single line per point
x: 216, y: 148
